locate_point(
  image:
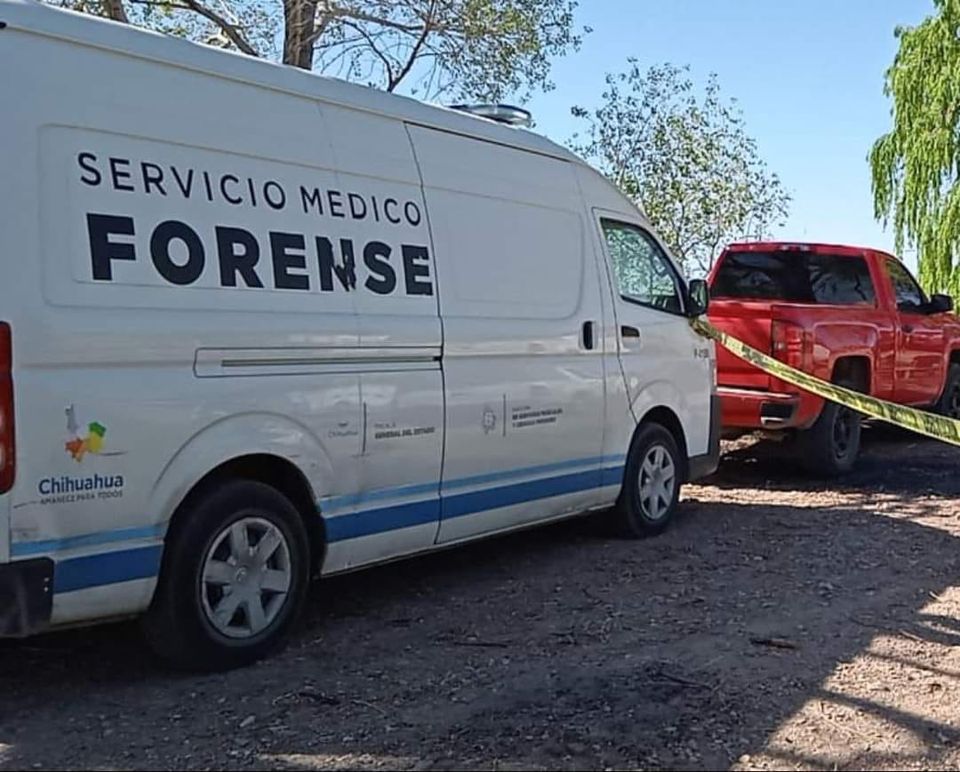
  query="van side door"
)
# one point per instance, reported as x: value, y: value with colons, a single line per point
x: 383, y: 248
x: 664, y: 362
x: 521, y: 311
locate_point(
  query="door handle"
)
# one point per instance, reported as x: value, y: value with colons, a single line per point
x: 907, y: 328
x: 626, y: 331
x: 587, y: 336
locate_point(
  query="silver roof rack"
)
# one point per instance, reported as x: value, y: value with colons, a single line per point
x: 508, y: 114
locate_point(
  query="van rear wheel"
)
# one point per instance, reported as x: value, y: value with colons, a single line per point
x: 651, y: 484
x: 234, y: 578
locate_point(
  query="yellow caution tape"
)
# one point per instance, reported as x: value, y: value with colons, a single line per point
x: 937, y: 426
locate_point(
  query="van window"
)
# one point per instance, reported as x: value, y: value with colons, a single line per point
x: 794, y: 276
x: 643, y: 272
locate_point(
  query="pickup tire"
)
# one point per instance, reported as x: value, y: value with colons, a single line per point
x: 651, y: 484
x: 949, y: 402
x: 831, y: 446
x: 233, y: 580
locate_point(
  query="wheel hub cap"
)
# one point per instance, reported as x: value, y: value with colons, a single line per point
x: 657, y: 482
x: 246, y: 577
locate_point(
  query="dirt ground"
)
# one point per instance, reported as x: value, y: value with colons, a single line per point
x: 782, y: 623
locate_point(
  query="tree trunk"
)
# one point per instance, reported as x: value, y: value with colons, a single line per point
x: 113, y: 9
x: 300, y: 18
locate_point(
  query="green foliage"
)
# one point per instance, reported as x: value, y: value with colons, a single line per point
x: 462, y: 49
x: 470, y: 49
x: 685, y: 159
x: 916, y: 166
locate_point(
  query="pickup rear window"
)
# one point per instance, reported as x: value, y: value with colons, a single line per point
x: 794, y: 277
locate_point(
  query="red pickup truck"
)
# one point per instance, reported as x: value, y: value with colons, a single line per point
x: 852, y: 316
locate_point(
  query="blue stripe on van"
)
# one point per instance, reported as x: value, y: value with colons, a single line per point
x: 334, y: 503
x: 611, y: 475
x: 144, y: 562
x: 492, y: 498
x: 381, y: 520
x: 23, y: 549
x: 107, y: 568
x: 512, y: 474
x: 384, y: 519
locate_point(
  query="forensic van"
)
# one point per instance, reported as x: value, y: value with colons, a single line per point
x: 259, y: 326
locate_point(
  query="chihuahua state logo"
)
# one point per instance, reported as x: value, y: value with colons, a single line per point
x: 91, y: 440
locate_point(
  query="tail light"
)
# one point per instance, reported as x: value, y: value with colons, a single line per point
x: 790, y: 344
x: 7, y: 450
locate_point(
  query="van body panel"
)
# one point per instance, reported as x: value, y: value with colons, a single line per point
x: 667, y: 365
x: 523, y: 391
x: 410, y: 307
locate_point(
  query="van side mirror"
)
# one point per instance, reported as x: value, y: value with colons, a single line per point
x: 698, y: 297
x: 940, y: 304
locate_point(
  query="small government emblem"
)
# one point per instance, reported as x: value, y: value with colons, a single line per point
x: 489, y: 420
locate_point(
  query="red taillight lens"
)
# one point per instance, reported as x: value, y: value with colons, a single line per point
x: 7, y: 450
x: 788, y: 342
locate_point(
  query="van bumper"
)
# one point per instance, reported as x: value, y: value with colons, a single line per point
x: 706, y: 464
x: 26, y: 596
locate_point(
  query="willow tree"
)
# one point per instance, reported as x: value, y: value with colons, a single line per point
x: 916, y: 166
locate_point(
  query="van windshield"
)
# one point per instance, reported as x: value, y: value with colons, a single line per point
x: 794, y: 276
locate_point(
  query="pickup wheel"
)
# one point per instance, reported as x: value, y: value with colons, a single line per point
x: 949, y: 403
x: 830, y: 447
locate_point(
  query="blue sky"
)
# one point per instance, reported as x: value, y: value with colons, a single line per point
x: 808, y: 75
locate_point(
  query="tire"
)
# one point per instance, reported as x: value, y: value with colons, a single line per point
x: 212, y: 564
x: 831, y: 446
x: 949, y: 402
x: 654, y: 461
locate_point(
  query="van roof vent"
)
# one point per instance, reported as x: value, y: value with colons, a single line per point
x: 508, y: 114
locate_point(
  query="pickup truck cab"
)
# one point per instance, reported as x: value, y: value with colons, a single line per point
x: 848, y: 315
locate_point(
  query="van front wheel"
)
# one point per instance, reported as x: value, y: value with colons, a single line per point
x: 233, y: 579
x: 651, y: 483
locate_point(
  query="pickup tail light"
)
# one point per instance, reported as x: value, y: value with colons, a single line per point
x: 7, y: 450
x: 791, y: 344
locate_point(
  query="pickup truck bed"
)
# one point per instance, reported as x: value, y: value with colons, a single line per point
x: 844, y: 314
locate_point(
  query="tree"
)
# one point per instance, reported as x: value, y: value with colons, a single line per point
x: 916, y: 166
x: 467, y: 49
x: 685, y: 159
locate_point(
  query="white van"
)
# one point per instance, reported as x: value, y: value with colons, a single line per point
x: 258, y: 325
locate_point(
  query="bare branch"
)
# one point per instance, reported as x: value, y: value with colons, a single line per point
x: 415, y: 52
x: 232, y: 31
x: 387, y: 64
x: 355, y: 15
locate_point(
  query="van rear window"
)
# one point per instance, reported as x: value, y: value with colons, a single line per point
x: 794, y: 277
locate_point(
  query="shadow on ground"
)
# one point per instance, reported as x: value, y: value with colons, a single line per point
x: 556, y: 648
x: 892, y: 460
